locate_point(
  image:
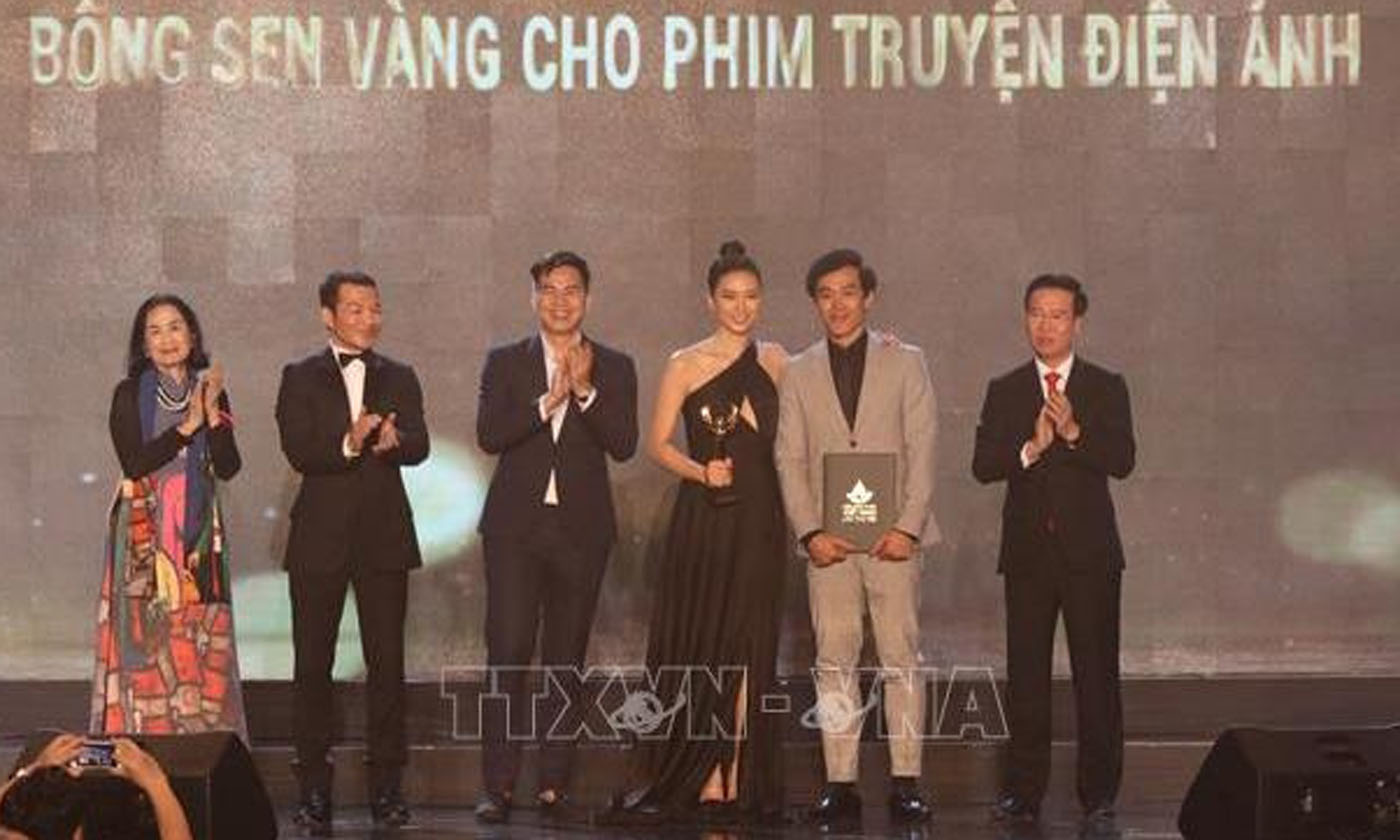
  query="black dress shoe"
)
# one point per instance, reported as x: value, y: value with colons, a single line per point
x: 1011, y: 809
x: 313, y: 814
x: 632, y: 810
x: 493, y: 808
x: 388, y: 809
x: 1099, y: 824
x: 838, y: 804
x: 910, y: 806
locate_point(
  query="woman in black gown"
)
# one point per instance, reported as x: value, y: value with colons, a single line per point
x: 719, y: 604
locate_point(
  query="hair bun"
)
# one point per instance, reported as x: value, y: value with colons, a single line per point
x: 731, y: 249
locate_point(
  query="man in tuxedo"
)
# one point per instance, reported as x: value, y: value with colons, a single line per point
x: 850, y: 392
x: 1054, y: 429
x: 349, y: 419
x: 553, y: 406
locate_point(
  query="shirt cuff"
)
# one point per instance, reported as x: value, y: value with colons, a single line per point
x: 1025, y: 456
x: 588, y: 400
x: 345, y: 448
x: 544, y: 415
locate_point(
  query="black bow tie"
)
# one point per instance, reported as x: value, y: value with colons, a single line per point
x: 346, y: 358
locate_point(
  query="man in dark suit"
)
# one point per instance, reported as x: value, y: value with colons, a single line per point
x: 349, y: 419
x: 553, y: 406
x: 1055, y: 429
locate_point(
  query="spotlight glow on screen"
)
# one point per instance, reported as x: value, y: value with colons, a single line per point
x: 447, y: 492
x: 1344, y: 516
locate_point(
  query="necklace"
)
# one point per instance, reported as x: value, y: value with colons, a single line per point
x: 172, y: 402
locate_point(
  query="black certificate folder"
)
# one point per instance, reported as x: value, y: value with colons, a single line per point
x: 858, y: 495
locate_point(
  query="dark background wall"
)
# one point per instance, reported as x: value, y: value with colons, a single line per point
x: 1239, y: 246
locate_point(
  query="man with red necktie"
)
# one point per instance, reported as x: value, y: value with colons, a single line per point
x: 1054, y: 429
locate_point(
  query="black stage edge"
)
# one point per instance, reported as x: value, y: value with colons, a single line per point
x: 1171, y: 723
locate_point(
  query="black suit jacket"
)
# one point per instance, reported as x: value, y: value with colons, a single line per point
x: 508, y: 424
x: 1067, y: 485
x: 345, y: 501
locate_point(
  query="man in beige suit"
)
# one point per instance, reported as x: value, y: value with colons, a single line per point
x: 850, y: 392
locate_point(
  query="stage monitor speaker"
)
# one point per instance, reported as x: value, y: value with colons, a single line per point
x: 1296, y: 784
x: 213, y: 776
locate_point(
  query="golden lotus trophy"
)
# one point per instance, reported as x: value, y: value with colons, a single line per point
x: 721, y: 421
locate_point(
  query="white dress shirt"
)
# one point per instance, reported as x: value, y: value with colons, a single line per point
x: 353, y: 375
x: 556, y: 418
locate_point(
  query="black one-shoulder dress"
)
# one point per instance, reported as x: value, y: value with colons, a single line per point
x: 714, y: 628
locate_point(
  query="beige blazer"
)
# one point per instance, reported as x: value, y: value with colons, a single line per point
x: 896, y: 413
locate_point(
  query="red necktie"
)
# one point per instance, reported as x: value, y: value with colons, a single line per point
x: 1051, y: 380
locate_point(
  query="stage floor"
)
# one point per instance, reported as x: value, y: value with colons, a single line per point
x: 1172, y: 725
x: 961, y: 822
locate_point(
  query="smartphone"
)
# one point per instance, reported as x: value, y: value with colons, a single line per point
x: 96, y: 755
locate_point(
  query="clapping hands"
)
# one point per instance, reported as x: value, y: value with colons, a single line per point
x: 1060, y: 412
x: 578, y: 361
x: 367, y: 424
x: 573, y: 374
x: 211, y: 385
x: 204, y: 402
x: 388, y: 435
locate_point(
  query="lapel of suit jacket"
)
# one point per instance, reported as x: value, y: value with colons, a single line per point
x: 874, y: 383
x: 374, y: 376
x: 1030, y: 395
x: 536, y: 382
x: 1078, y: 385
x: 330, y: 369
x: 534, y: 363
x: 825, y: 392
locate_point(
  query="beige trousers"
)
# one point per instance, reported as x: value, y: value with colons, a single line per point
x: 839, y: 595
